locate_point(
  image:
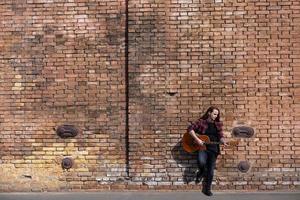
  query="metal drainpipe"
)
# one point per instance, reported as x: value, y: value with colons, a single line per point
x: 126, y: 91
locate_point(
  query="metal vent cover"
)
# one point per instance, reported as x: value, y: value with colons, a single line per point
x: 243, y: 131
x: 243, y: 166
x: 67, y: 163
x: 67, y: 131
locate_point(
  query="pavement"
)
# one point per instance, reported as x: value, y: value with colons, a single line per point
x: 151, y: 195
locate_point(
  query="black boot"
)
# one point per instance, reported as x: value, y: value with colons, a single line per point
x: 206, y: 190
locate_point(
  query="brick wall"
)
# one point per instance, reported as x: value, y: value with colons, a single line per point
x: 241, y: 56
x: 65, y: 63
x: 62, y: 62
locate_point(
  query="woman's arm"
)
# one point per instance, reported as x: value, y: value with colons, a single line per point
x: 195, y: 127
x: 220, y: 132
x: 198, y: 140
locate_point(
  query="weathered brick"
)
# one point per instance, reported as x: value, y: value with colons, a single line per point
x: 64, y: 63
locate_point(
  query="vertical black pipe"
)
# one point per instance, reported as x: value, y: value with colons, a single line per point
x: 126, y: 90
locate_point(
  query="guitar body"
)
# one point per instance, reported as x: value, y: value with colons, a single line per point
x: 189, y: 144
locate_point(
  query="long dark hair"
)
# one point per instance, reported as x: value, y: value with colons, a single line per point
x: 209, y: 110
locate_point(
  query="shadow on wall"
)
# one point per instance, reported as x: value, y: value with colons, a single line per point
x: 186, y: 161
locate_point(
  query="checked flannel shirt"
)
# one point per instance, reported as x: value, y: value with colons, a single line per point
x: 201, y: 125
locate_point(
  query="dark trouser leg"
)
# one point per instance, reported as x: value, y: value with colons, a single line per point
x: 202, y: 160
x: 210, y: 164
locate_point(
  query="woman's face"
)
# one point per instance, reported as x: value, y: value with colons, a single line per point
x: 214, y: 114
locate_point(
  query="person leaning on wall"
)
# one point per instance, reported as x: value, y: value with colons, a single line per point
x: 210, y: 125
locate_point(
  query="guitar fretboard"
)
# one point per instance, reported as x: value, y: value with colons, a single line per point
x: 212, y: 142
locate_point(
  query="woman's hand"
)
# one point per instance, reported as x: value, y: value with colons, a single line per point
x: 223, y: 141
x: 200, y: 142
x: 197, y: 140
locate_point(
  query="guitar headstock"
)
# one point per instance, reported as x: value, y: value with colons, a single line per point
x: 230, y: 144
x: 233, y: 143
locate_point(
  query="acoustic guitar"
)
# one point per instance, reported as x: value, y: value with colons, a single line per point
x: 190, y: 145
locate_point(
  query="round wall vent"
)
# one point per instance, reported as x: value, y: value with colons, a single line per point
x: 67, y: 163
x: 243, y: 166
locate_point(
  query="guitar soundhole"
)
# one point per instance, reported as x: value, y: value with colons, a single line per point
x: 243, y: 131
x: 243, y: 166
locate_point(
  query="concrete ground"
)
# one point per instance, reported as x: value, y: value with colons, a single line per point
x: 151, y: 195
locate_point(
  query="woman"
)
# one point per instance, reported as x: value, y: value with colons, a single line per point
x: 209, y: 124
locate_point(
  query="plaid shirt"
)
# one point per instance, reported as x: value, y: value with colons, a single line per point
x: 201, y: 125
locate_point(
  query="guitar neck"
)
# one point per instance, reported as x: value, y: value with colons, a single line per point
x: 208, y: 142
x: 212, y: 142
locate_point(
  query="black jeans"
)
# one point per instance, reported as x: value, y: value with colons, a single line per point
x: 207, y: 163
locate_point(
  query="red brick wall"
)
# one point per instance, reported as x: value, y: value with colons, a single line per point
x: 65, y: 63
x: 61, y: 63
x: 238, y: 55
